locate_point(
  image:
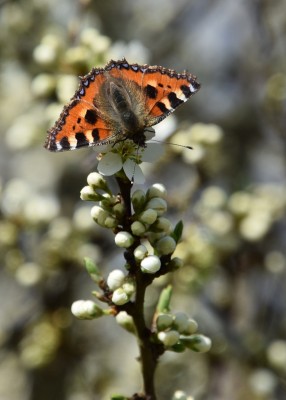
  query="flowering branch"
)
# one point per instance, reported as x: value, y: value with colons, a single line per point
x: 149, y: 241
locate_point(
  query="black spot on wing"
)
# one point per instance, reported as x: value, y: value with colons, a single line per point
x: 186, y: 90
x: 65, y: 144
x: 95, y: 135
x: 151, y: 91
x: 81, y: 139
x: 90, y: 117
x: 162, y: 107
x: 174, y: 101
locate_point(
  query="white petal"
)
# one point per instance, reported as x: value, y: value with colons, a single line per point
x: 152, y: 152
x: 110, y: 164
x: 149, y: 133
x: 165, y: 128
x: 133, y: 171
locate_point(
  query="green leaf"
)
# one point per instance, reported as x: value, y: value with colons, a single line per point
x: 163, y: 305
x: 177, y: 233
x: 92, y: 269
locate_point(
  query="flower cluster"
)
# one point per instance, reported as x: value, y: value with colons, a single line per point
x: 177, y: 332
x: 147, y: 232
x: 147, y: 236
x: 123, y: 287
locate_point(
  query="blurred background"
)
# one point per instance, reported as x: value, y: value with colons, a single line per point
x: 230, y: 192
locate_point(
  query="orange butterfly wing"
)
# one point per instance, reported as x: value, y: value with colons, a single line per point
x: 164, y: 89
x: 82, y: 123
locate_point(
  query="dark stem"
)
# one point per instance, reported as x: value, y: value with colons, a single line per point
x: 125, y: 190
x: 149, y: 351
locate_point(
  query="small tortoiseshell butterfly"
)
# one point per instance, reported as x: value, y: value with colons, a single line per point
x: 119, y: 102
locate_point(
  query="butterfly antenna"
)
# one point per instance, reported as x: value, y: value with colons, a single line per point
x: 132, y: 179
x: 173, y: 144
x: 137, y: 155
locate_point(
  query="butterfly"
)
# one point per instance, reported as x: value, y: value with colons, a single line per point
x: 119, y: 102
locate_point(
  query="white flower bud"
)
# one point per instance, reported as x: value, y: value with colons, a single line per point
x: 119, y: 209
x: 119, y: 297
x: 157, y: 204
x: 164, y: 321
x: 140, y: 252
x: 129, y: 288
x: 162, y: 225
x: 157, y: 190
x: 169, y: 338
x: 138, y: 200
x: 176, y: 263
x: 150, y: 264
x: 88, y: 194
x: 125, y: 321
x: 166, y: 245
x: 107, y: 201
x: 137, y: 228
x: 86, y: 309
x: 192, y: 327
x: 148, y: 216
x: 110, y: 222
x: 115, y: 279
x: 180, y: 321
x: 198, y: 343
x: 124, y: 239
x: 99, y: 215
x: 154, y: 237
x: 97, y: 181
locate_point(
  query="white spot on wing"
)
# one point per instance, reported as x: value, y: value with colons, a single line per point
x: 192, y: 89
x: 181, y: 96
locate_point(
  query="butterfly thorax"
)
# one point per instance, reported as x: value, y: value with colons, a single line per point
x: 121, y: 107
